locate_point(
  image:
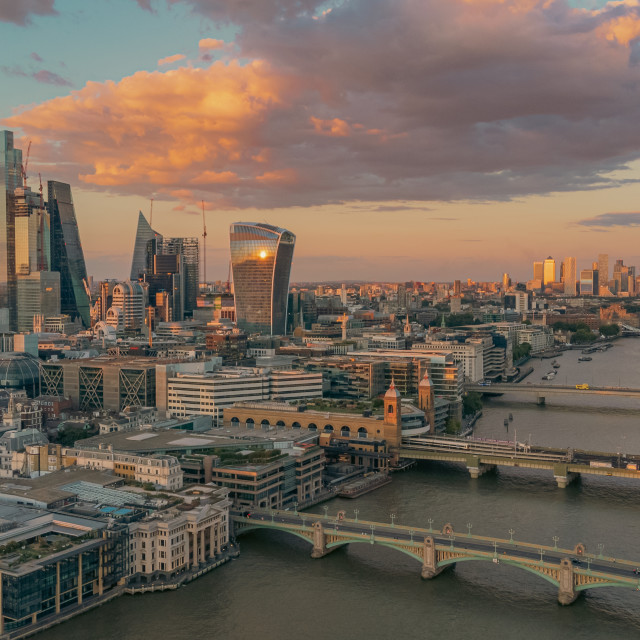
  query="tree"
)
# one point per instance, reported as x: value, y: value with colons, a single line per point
x: 583, y: 336
x: 453, y: 426
x: 471, y: 403
x: 609, y: 330
x: 521, y: 351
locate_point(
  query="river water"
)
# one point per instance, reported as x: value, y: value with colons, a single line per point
x: 274, y: 590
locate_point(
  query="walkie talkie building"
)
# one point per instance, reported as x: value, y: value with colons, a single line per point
x: 261, y: 257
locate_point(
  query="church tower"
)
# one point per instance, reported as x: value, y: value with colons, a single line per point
x: 392, y: 416
x: 427, y: 401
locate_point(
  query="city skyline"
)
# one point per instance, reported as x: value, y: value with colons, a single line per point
x: 285, y: 153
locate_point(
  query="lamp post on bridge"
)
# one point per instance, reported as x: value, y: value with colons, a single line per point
x: 600, y: 549
x: 555, y: 542
x: 304, y: 522
x: 495, y: 549
x: 373, y: 528
x: 452, y: 537
x: 430, y: 521
x: 511, y: 532
x: 356, y: 511
x: 469, y: 526
x: 589, y: 565
x: 295, y: 508
x: 393, y: 517
x: 411, y: 534
x: 326, y: 509
x: 541, y: 556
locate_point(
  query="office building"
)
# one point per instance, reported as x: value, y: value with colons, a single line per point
x: 549, y: 271
x: 538, y: 271
x: 189, y: 250
x: 67, y: 256
x: 570, y: 278
x: 127, y: 311
x: 589, y: 282
x: 261, y: 257
x: 37, y: 294
x: 603, y: 273
x: 144, y: 248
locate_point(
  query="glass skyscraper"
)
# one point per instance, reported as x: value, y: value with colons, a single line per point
x: 144, y: 249
x: 261, y: 257
x: 66, y: 252
x: 10, y: 174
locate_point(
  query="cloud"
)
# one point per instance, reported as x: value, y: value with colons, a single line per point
x: 49, y: 77
x: 486, y: 100
x: 20, y: 11
x: 606, y: 220
x: 36, y: 57
x: 43, y: 76
x: 171, y: 59
x: 210, y: 44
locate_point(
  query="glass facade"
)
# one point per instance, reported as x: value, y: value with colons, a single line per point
x: 10, y: 173
x: 189, y: 249
x: 261, y: 257
x: 66, y: 252
x: 146, y: 246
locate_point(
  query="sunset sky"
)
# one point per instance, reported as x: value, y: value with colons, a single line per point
x: 398, y: 139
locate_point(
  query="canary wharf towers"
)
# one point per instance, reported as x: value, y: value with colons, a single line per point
x: 261, y: 256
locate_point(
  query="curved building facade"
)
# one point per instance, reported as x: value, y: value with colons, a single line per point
x: 261, y: 257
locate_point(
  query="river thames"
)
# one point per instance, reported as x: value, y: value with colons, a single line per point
x: 274, y: 590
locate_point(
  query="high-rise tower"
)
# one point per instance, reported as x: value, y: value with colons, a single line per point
x: 261, y: 257
x: 10, y: 174
x: 144, y: 249
x: 549, y: 271
x: 570, y: 276
x: 66, y: 252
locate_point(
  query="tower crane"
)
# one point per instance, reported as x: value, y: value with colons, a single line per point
x: 25, y: 165
x: 204, y: 247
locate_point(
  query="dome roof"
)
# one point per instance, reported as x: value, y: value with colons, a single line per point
x: 18, y: 370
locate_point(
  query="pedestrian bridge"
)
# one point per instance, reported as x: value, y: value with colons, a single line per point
x: 571, y: 571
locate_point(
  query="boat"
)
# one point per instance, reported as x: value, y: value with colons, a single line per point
x: 555, y: 365
x: 510, y: 417
x: 506, y: 422
x: 585, y: 359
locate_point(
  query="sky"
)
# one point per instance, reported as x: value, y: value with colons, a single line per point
x: 398, y: 139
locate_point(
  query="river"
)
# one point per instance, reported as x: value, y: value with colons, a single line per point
x: 274, y: 590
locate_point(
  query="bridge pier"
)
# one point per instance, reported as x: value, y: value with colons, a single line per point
x: 430, y: 568
x: 562, y: 476
x: 476, y: 468
x: 541, y: 400
x: 320, y: 541
x: 566, y: 591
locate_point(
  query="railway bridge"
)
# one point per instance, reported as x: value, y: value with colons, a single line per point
x: 571, y: 571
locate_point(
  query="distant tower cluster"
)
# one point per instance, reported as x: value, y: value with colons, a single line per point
x: 42, y: 268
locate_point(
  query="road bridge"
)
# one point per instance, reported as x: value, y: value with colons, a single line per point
x: 542, y: 391
x: 571, y: 571
x: 481, y: 456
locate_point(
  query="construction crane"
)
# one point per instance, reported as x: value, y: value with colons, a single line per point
x: 229, y: 278
x: 151, y: 214
x: 204, y: 247
x: 25, y: 165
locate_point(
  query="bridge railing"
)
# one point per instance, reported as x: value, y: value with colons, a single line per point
x: 380, y: 528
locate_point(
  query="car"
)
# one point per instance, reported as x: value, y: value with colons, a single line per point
x: 582, y: 386
x: 576, y: 561
x: 485, y: 383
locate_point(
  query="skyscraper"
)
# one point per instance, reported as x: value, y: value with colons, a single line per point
x: 261, y: 257
x: 538, y: 271
x: 144, y: 248
x: 569, y: 276
x: 603, y: 272
x: 66, y: 252
x: 189, y: 249
x: 549, y: 271
x: 10, y: 174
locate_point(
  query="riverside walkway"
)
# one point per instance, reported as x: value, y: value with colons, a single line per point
x: 571, y: 571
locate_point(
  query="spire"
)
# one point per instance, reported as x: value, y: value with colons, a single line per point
x: 392, y: 392
x: 426, y: 380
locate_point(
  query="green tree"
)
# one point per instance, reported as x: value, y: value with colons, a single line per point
x: 453, y: 426
x: 521, y: 350
x: 583, y: 336
x: 471, y: 403
x: 609, y: 330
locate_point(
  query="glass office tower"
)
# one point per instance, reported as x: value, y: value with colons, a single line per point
x: 189, y: 249
x: 146, y: 246
x: 66, y: 252
x: 261, y: 257
x: 10, y: 180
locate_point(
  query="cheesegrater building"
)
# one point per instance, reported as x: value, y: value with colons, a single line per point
x: 261, y: 257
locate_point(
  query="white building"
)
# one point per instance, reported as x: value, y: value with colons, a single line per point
x: 210, y: 393
x: 127, y: 308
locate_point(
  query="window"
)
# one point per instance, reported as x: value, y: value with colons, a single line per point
x: 328, y: 428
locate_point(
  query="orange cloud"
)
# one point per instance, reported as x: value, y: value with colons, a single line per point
x: 286, y: 176
x: 334, y: 127
x: 210, y: 44
x: 171, y: 59
x: 168, y: 129
x: 622, y: 30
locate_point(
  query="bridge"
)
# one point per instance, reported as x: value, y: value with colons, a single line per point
x: 571, y: 571
x: 541, y: 391
x: 481, y: 456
